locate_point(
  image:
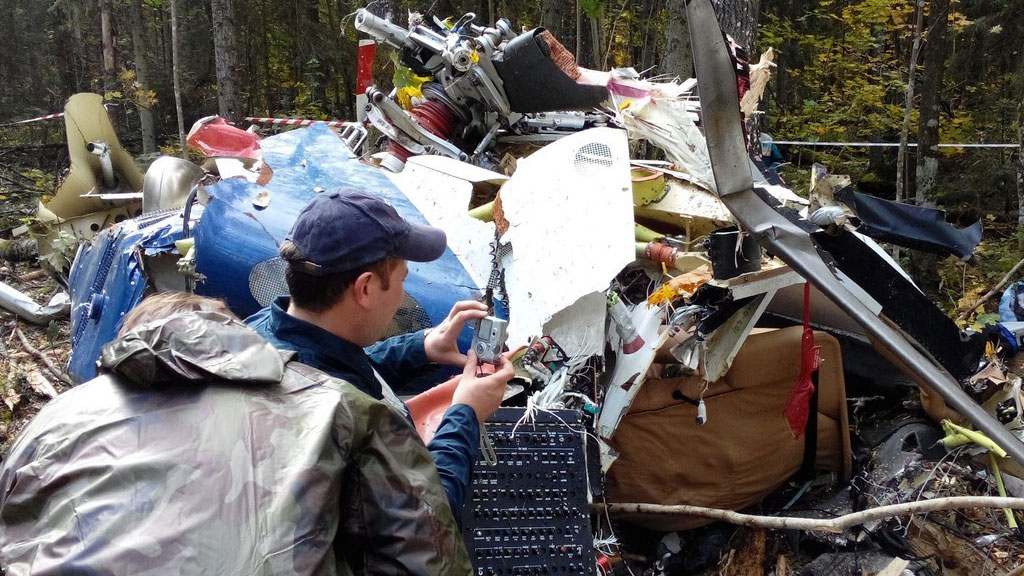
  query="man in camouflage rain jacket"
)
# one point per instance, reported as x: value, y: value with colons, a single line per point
x: 203, y: 450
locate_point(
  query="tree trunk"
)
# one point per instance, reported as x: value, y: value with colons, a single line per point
x: 225, y: 47
x: 552, y: 13
x: 143, y: 95
x: 579, y: 32
x: 176, y: 76
x: 68, y: 55
x: 901, y: 158
x: 931, y: 103
x: 924, y: 267
x: 678, y: 58
x: 785, y: 92
x: 595, y: 35
x: 738, y: 18
x: 650, y: 7
x: 107, y: 33
x: 1020, y: 153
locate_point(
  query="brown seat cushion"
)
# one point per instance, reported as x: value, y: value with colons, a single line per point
x: 745, y: 450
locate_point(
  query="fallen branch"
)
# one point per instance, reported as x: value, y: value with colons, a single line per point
x: 991, y: 293
x: 33, y: 275
x: 57, y: 372
x: 837, y: 524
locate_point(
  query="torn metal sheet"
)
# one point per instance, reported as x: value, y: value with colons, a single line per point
x: 238, y: 168
x: 904, y: 304
x: 727, y: 148
x: 86, y: 121
x: 82, y: 204
x: 689, y: 207
x: 441, y: 188
x: 724, y: 343
x: 910, y: 226
x: 460, y: 170
x: 781, y: 193
x: 215, y: 137
x: 760, y: 73
x: 579, y: 329
x: 570, y: 212
x: 26, y: 308
x: 110, y: 277
x: 664, y: 119
x: 631, y: 370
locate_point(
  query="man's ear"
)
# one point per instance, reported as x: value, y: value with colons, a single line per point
x: 364, y: 289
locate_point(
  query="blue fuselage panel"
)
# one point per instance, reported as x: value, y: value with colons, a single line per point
x: 108, y: 279
x: 235, y: 238
x: 235, y: 234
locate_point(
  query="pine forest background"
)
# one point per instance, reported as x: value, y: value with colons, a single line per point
x: 847, y: 70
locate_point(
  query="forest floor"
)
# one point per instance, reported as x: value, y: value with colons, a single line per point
x: 26, y: 381
x: 27, y: 173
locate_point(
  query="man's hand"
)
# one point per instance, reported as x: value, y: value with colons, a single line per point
x: 441, y: 343
x: 483, y: 393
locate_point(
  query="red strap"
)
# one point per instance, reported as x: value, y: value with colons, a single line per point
x: 797, y: 409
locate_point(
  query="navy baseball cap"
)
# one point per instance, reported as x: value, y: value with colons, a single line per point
x: 348, y: 229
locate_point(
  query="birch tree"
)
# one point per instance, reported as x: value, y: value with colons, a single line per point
x: 176, y: 77
x: 901, y: 159
x: 143, y: 95
x: 107, y: 41
x: 738, y: 19
x: 678, y: 58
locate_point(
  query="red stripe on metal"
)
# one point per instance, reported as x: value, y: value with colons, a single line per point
x: 364, y: 69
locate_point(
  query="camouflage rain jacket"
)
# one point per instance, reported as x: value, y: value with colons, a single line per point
x: 202, y: 451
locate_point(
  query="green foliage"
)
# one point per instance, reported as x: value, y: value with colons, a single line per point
x: 132, y: 90
x: 45, y: 182
x: 965, y: 284
x: 304, y: 106
x: 851, y: 84
x: 592, y: 8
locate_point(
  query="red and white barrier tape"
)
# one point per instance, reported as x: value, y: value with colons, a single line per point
x: 39, y: 119
x: 293, y: 121
x: 47, y: 117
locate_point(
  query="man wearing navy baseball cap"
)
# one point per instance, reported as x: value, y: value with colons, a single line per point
x: 346, y: 260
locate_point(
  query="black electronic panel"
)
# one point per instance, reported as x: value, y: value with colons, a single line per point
x: 529, y: 514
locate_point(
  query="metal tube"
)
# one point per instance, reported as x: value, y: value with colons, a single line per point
x: 101, y: 150
x: 382, y: 29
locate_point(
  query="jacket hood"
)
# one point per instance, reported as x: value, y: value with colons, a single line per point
x: 195, y: 347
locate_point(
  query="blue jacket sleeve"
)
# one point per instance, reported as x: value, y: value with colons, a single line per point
x: 454, y: 448
x: 399, y: 359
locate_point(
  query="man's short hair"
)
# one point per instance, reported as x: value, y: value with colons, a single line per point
x: 320, y: 293
x: 164, y: 304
